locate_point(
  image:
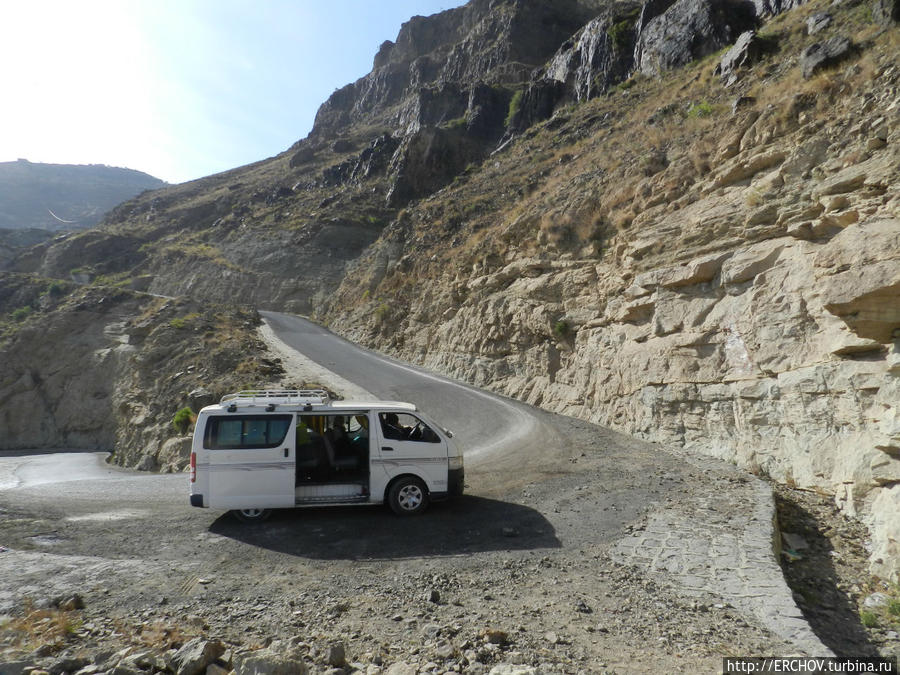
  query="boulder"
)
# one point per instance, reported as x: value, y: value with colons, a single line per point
x: 745, y: 52
x: 509, y: 669
x: 196, y: 655
x: 277, y: 659
x: 336, y: 655
x: 688, y: 30
x: 174, y: 454
x: 818, y: 22
x: 821, y: 55
x: 401, y: 668
x: 200, y: 398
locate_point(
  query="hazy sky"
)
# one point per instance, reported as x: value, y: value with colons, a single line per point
x: 180, y: 88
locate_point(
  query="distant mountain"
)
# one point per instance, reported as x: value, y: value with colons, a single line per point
x: 65, y: 196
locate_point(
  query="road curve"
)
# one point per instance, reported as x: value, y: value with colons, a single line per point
x: 492, y: 431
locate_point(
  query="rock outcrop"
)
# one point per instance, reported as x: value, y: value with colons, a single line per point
x: 482, y: 42
x: 688, y: 30
x: 103, y: 369
x: 821, y: 55
x: 597, y: 57
x: 886, y: 12
x: 746, y: 51
x: 751, y: 312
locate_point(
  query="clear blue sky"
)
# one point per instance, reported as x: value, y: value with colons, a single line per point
x: 180, y: 88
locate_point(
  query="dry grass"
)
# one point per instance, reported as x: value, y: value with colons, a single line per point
x: 51, y: 627
x: 160, y: 635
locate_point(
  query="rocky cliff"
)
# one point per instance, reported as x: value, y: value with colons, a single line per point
x: 678, y: 218
x: 722, y: 279
x: 98, y: 368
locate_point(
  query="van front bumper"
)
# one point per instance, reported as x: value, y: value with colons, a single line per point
x: 456, y: 480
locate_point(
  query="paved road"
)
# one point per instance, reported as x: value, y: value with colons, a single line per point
x: 489, y: 428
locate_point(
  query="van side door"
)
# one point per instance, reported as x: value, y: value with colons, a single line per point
x: 251, y: 460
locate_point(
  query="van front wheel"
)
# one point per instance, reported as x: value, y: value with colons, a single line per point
x: 408, y: 496
x: 252, y: 515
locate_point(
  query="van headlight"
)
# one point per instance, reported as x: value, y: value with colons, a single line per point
x: 455, y: 462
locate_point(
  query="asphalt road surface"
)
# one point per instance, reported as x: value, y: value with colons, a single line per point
x: 485, y: 425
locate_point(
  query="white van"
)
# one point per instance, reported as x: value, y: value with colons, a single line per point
x: 259, y: 450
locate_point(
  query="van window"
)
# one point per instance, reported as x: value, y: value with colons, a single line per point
x: 405, y: 427
x: 245, y: 431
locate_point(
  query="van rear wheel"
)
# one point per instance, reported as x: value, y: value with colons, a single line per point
x: 252, y: 515
x: 408, y: 496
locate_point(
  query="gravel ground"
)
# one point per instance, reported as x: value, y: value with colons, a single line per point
x: 522, y: 574
x: 560, y: 563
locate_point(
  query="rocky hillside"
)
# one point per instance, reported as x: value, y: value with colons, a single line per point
x: 13, y: 242
x: 99, y: 368
x: 64, y: 196
x: 717, y: 269
x: 679, y: 219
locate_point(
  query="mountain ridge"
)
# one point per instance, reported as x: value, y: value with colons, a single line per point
x: 65, y: 196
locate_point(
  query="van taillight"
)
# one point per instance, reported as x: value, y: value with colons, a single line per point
x: 193, y: 467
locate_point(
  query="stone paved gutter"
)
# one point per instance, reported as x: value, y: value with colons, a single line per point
x: 725, y: 544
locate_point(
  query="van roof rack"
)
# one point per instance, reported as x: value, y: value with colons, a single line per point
x: 289, y: 396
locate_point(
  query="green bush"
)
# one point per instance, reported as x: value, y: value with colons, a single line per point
x: 21, y: 313
x: 620, y: 32
x: 868, y: 619
x: 458, y: 123
x: 702, y: 109
x: 893, y: 606
x: 515, y: 103
x: 56, y: 289
x: 562, y: 328
x: 382, y: 312
x: 183, y: 420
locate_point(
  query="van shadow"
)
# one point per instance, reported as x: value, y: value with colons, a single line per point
x: 459, y: 526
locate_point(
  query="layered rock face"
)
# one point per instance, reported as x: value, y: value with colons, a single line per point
x: 752, y: 315
x: 688, y: 30
x: 105, y: 369
x: 58, y: 381
x: 485, y: 41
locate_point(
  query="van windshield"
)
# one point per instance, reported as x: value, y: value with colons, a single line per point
x: 234, y: 432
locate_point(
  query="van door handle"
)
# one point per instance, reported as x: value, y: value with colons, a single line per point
x: 286, y: 452
x: 387, y: 449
